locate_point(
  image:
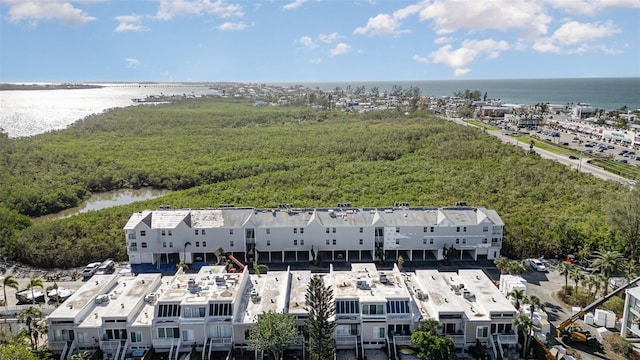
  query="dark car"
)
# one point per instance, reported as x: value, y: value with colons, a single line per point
x: 573, y: 157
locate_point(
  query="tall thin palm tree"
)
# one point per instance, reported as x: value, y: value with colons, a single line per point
x: 564, y: 268
x: 576, y: 275
x: 32, y: 284
x: 524, y: 325
x: 607, y: 262
x: 518, y: 296
x: 28, y: 316
x: 9, y: 281
x: 534, y: 303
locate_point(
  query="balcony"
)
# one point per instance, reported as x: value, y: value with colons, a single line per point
x: 222, y: 343
x: 346, y: 342
x: 163, y: 343
x: 347, y: 316
x: 402, y: 340
x: 457, y: 339
x: 133, y: 248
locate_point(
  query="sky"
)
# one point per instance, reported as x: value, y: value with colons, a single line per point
x: 313, y: 40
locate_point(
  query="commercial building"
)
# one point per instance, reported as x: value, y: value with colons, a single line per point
x: 289, y: 235
x: 211, y: 311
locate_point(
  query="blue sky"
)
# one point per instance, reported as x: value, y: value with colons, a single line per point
x: 311, y: 40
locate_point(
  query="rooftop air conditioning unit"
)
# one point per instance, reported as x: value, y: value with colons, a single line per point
x: 150, y: 298
x: 102, y: 299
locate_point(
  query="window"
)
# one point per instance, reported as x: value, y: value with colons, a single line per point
x: 397, y: 229
x: 464, y: 241
x: 268, y: 231
x: 432, y: 229
x: 295, y: 242
x: 301, y: 241
x: 449, y: 329
x: 424, y: 241
x: 202, y: 231
x: 143, y: 233
x: 134, y: 245
x: 144, y: 245
x: 373, y: 309
x: 164, y: 244
x: 431, y: 241
x: 361, y: 241
x: 301, y: 230
x: 327, y: 230
x: 268, y: 242
x: 204, y: 244
x: 163, y: 233
x: 295, y: 230
x: 495, y: 241
x: 347, y: 330
x: 168, y: 333
x: 197, y: 231
x: 168, y: 310
x: 231, y: 243
x: 334, y: 241
x: 485, y: 229
x: 194, y: 312
x: 171, y: 244
x: 485, y: 241
x: 62, y: 335
x: 464, y: 229
x: 197, y: 243
x: 170, y: 233
x: 458, y: 229
x: 327, y: 241
x: 361, y: 230
x: 424, y: 229
x: 482, y: 331
x: 220, y: 309
x: 230, y: 231
x: 457, y: 241
x: 333, y: 230
x: 187, y: 335
x: 378, y: 333
x: 116, y: 334
x: 398, y: 307
x: 347, y: 307
x: 135, y: 336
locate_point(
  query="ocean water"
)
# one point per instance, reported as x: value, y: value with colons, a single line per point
x: 27, y: 113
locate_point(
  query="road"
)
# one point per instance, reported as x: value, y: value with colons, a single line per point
x: 580, y: 164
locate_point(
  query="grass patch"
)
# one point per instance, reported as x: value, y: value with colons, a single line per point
x: 481, y: 125
x: 622, y: 169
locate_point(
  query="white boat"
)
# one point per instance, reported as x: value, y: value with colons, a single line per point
x: 60, y: 294
x: 26, y: 296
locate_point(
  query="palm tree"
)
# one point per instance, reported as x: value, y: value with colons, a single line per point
x: 534, y: 303
x: 11, y: 282
x: 564, y: 268
x: 517, y: 295
x: 524, y: 325
x: 631, y: 270
x: 28, y: 316
x: 598, y: 281
x: 589, y: 282
x: 576, y: 275
x: 501, y: 264
x: 33, y: 283
x: 607, y: 262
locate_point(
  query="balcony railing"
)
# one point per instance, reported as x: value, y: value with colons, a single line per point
x: 402, y: 340
x: 164, y: 343
x: 457, y: 339
x: 222, y: 342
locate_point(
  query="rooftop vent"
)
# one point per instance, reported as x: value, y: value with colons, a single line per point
x: 102, y: 299
x: 344, y: 205
x: 150, y: 298
x: 461, y: 203
x: 383, y: 278
x: 165, y: 207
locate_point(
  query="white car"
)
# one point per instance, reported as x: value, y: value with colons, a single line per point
x: 537, y: 265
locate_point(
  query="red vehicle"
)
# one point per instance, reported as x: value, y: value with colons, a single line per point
x: 571, y: 259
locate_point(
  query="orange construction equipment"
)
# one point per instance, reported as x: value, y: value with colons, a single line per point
x: 221, y: 252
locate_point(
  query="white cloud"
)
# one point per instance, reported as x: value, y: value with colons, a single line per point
x: 591, y: 7
x: 576, y: 37
x: 171, y: 8
x: 130, y: 23
x: 294, y: 5
x: 329, y: 38
x: 33, y: 11
x: 132, y: 63
x: 231, y: 26
x: 449, y: 16
x: 316, y: 61
x: 460, y: 59
x: 307, y: 42
x: 443, y: 40
x: 381, y: 25
x: 340, y: 49
x: 421, y: 59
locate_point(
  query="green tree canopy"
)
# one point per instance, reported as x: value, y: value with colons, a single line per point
x: 273, y: 333
x: 319, y: 303
x: 430, y: 344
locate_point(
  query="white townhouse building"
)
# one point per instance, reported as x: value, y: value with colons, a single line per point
x: 210, y: 312
x: 286, y: 234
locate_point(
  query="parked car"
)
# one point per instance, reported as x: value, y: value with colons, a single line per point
x: 537, y: 265
x: 90, y: 270
x: 624, y: 161
x: 573, y: 157
x: 106, y: 267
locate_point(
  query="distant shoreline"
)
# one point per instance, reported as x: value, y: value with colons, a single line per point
x: 63, y: 86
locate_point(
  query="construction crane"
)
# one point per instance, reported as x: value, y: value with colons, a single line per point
x: 240, y: 265
x: 568, y: 329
